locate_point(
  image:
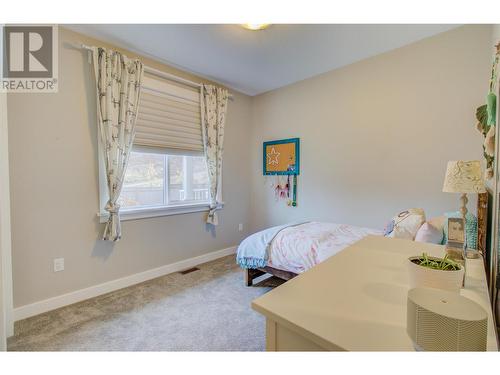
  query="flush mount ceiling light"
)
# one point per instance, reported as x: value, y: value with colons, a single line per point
x: 256, y: 26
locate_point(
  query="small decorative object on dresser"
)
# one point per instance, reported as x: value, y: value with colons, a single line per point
x: 438, y: 320
x: 456, y: 232
x: 432, y: 272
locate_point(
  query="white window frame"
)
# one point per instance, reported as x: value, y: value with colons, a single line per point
x: 148, y: 212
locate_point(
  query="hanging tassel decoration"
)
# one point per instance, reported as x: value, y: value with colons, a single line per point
x: 277, y: 189
x: 489, y: 142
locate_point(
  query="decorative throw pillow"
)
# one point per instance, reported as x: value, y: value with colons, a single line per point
x: 429, y: 233
x: 405, y: 224
x: 438, y: 222
x: 470, y: 228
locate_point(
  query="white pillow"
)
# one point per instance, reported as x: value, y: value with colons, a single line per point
x: 429, y: 233
x: 406, y: 224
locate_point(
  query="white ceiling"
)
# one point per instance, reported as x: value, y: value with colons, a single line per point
x: 254, y: 62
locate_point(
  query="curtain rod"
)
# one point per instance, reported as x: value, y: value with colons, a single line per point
x: 165, y: 75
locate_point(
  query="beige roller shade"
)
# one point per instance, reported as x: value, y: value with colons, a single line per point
x: 169, y: 116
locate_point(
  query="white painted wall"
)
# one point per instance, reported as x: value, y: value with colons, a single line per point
x: 6, y: 322
x: 376, y: 135
x: 496, y: 34
x: 3, y: 325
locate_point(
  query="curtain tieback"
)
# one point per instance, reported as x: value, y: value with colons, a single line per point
x: 112, y: 208
x: 215, y: 206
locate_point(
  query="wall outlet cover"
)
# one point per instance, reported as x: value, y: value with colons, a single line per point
x: 58, y: 264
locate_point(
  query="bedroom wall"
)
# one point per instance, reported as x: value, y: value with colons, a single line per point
x: 496, y: 33
x: 54, y: 190
x: 5, y: 279
x: 376, y: 135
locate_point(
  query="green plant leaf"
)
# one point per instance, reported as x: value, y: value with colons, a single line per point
x: 443, y: 264
x: 482, y: 115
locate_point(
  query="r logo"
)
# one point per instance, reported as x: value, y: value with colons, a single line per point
x: 28, y: 52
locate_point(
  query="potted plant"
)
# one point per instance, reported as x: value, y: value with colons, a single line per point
x: 432, y: 272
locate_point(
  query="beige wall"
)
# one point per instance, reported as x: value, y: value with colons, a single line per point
x: 376, y: 135
x: 5, y: 281
x: 54, y: 190
x: 3, y: 322
x: 496, y: 34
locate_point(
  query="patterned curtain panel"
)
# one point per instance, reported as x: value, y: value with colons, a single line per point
x: 214, y: 107
x: 118, y: 82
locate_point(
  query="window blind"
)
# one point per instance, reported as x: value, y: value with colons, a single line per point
x: 169, y: 116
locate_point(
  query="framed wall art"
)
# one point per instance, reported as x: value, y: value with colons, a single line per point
x: 281, y: 157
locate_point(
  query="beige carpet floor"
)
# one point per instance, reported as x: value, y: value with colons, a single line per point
x: 206, y: 310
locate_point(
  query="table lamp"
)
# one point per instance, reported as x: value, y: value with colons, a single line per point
x: 464, y: 177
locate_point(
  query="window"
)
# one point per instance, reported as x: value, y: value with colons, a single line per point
x: 159, y: 180
x: 166, y: 172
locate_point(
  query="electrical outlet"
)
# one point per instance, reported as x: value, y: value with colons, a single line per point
x: 240, y: 227
x: 58, y: 264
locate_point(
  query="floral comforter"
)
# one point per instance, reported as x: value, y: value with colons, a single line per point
x: 300, y: 247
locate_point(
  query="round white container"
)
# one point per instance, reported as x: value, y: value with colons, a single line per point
x: 440, y: 320
x: 427, y: 277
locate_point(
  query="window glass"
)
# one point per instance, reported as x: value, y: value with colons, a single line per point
x: 144, y: 181
x: 176, y: 180
x: 200, y: 179
x: 159, y: 180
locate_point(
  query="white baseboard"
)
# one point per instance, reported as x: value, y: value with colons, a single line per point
x: 53, y: 303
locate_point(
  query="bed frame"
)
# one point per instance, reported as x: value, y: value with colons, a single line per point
x: 251, y: 274
x: 483, y: 218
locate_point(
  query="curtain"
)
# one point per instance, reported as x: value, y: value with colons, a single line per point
x: 118, y: 83
x: 214, y: 107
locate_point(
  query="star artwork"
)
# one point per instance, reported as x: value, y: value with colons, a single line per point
x: 280, y: 157
x: 272, y: 157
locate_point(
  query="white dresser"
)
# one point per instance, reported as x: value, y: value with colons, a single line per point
x: 356, y: 300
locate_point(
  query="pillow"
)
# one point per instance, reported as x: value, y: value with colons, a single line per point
x: 405, y: 224
x: 470, y: 228
x: 438, y: 222
x: 429, y: 233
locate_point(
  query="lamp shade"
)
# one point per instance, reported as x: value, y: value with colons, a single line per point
x: 464, y: 177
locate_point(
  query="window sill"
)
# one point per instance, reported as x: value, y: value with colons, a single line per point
x: 144, y: 213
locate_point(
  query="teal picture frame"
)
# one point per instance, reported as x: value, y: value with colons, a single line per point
x: 296, y: 169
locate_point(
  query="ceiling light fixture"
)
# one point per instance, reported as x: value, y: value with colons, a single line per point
x: 256, y: 26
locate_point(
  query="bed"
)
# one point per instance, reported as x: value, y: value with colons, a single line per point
x: 288, y: 250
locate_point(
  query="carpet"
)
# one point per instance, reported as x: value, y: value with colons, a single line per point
x: 204, y: 310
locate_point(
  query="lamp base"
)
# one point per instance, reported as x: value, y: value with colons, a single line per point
x: 456, y: 254
x: 463, y: 209
x: 472, y: 254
